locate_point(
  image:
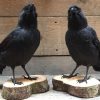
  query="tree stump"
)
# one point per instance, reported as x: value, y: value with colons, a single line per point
x: 73, y: 87
x: 29, y: 87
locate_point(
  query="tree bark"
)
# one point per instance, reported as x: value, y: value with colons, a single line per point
x: 73, y: 87
x: 29, y: 87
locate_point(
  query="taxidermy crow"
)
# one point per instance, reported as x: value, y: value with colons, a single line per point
x: 82, y: 42
x: 19, y: 46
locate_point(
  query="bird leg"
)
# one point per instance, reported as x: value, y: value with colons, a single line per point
x: 28, y: 76
x: 72, y: 74
x: 13, y: 79
x: 86, y: 76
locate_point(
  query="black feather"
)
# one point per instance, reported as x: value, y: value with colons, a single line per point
x: 19, y: 46
x: 81, y: 39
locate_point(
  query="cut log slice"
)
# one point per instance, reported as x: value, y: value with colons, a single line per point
x: 73, y: 87
x: 25, y: 90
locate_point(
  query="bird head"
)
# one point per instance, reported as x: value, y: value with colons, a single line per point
x: 76, y: 18
x: 28, y: 16
x: 74, y: 10
x: 29, y: 10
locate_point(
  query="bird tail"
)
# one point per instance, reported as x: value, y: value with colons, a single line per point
x: 1, y: 68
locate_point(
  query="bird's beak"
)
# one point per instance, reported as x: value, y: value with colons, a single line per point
x: 31, y: 7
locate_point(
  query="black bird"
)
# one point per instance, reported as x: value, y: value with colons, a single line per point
x: 20, y: 45
x: 82, y: 42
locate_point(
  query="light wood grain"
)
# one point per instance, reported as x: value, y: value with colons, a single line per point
x: 49, y: 7
x: 25, y: 90
x: 73, y: 87
x: 52, y: 30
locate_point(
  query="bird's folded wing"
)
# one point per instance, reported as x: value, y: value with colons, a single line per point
x: 88, y: 36
x: 8, y: 41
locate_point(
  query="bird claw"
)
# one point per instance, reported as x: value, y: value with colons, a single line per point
x: 69, y: 76
x: 15, y: 82
x: 30, y: 78
x: 84, y: 80
x: 88, y: 77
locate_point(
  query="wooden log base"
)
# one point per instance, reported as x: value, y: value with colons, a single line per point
x: 29, y: 87
x: 73, y: 87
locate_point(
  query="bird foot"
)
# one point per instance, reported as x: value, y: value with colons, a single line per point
x: 15, y: 82
x: 69, y: 76
x: 30, y: 78
x: 84, y: 80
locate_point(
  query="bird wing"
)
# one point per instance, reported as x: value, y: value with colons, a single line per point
x: 8, y: 41
x: 96, y: 41
x: 89, y: 36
